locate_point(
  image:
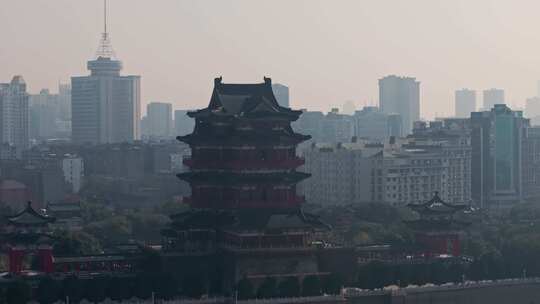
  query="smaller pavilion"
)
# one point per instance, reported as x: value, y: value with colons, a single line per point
x: 437, y: 229
x: 27, y: 232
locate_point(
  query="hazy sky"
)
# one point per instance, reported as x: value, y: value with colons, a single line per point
x: 326, y: 51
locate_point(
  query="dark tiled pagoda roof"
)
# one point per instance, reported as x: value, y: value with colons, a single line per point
x: 232, y: 178
x: 244, y: 100
x: 436, y: 206
x: 236, y: 136
x: 277, y: 219
x: 269, y: 220
x: 30, y: 217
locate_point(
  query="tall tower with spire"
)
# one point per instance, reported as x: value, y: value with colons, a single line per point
x: 105, y: 105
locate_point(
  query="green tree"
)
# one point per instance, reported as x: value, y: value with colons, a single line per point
x: 18, y: 292
x: 311, y: 286
x: 167, y: 286
x: 267, y: 289
x: 193, y: 287
x: 144, y: 283
x: 244, y: 289
x: 72, y: 287
x: 75, y: 243
x: 48, y: 291
x: 289, y: 287
x: 96, y: 289
x: 120, y: 288
x: 332, y: 284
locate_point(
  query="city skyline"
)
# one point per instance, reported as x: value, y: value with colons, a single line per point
x: 177, y: 53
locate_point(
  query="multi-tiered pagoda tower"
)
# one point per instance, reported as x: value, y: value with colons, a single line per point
x: 243, y: 179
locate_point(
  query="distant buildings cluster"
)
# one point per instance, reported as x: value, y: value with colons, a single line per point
x: 488, y: 160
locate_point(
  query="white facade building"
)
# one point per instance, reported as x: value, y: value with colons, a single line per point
x: 73, y: 168
x: 407, y: 171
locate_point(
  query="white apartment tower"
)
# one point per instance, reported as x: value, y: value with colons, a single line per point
x: 14, y: 114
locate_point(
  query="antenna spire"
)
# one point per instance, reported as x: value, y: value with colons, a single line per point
x: 105, y: 49
x: 105, y: 15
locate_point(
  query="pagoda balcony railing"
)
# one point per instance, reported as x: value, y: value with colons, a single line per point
x: 226, y: 204
x: 244, y: 164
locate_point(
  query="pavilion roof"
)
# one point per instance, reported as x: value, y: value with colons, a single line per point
x: 436, y: 206
x: 30, y: 217
x: 243, y: 100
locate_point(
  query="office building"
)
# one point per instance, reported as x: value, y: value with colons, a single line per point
x: 492, y: 97
x: 159, y: 119
x: 105, y: 105
x: 14, y: 114
x: 400, y: 95
x: 452, y: 138
x: 497, y: 140
x: 396, y: 172
x: 282, y: 94
x: 465, y: 102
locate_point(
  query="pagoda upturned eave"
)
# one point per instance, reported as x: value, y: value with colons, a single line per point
x: 235, y: 178
x: 29, y: 217
x: 242, y: 139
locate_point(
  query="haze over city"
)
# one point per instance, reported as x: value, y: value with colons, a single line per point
x: 327, y: 52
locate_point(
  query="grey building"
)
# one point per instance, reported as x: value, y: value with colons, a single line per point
x: 330, y: 128
x: 492, y: 97
x: 465, y: 102
x: 400, y: 95
x: 371, y: 123
x: 14, y: 114
x: 106, y: 107
x: 497, y: 140
x: 159, y: 119
x: 44, y: 108
x: 281, y: 92
x: 532, y: 107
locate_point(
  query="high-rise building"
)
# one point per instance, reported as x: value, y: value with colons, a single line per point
x: 497, y: 139
x: 105, y: 105
x: 14, y: 114
x: 492, y: 97
x: 183, y: 124
x: 465, y: 102
x: 159, y: 119
x: 400, y: 95
x: 43, y: 115
x: 64, y: 103
x: 532, y: 107
x: 282, y: 94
